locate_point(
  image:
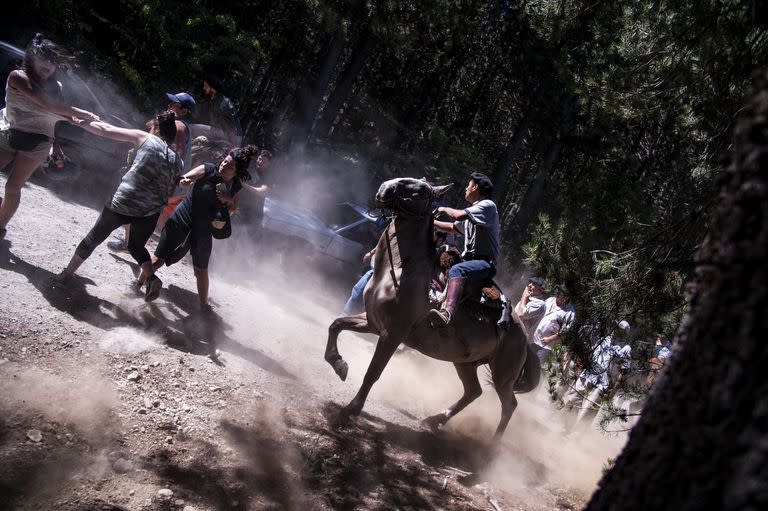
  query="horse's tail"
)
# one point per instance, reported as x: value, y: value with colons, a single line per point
x: 530, y: 374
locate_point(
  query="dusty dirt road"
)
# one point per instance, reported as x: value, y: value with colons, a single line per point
x: 107, y: 402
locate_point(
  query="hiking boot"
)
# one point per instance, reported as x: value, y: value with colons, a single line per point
x: 443, y: 317
x: 118, y: 245
x: 153, y: 287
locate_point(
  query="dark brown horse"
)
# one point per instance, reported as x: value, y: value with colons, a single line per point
x: 396, y: 303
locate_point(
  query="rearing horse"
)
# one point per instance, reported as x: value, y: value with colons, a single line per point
x: 396, y: 304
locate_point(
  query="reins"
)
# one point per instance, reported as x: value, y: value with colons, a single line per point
x: 404, y: 206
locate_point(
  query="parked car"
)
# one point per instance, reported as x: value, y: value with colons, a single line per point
x: 296, y: 235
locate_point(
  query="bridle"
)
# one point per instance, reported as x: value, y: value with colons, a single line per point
x: 415, y: 208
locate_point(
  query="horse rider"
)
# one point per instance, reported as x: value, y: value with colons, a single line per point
x: 479, y: 224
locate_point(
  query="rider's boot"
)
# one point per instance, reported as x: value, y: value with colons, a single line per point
x: 453, y: 292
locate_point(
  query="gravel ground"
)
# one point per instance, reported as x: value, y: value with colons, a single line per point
x: 108, y: 402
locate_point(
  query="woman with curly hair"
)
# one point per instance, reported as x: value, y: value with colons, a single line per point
x: 203, y: 215
x: 33, y: 107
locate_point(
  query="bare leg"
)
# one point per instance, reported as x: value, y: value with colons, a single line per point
x: 146, y: 270
x: 161, y: 220
x: 6, y: 157
x: 23, y: 166
x: 472, y: 390
x: 201, y: 274
x: 357, y: 323
x: 74, y: 264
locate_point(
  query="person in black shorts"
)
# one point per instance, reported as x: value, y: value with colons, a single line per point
x: 203, y: 214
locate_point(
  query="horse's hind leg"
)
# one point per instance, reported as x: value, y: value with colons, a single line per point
x: 358, y: 323
x: 507, y: 365
x: 506, y: 392
x: 472, y: 390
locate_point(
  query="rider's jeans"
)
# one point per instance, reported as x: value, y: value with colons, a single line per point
x: 355, y: 303
x: 476, y: 271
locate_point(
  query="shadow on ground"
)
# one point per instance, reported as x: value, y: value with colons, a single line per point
x: 181, y: 325
x: 287, y: 462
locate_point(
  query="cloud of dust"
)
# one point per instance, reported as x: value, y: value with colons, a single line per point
x: 260, y: 445
x: 84, y: 401
x: 128, y: 340
x: 538, y: 453
x: 536, y: 449
x: 315, y: 184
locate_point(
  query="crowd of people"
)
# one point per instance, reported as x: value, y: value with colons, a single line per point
x: 189, y: 204
x: 163, y: 190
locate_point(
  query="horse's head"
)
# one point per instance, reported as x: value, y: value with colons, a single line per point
x: 407, y: 196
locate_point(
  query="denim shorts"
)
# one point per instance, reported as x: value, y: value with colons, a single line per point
x: 39, y: 153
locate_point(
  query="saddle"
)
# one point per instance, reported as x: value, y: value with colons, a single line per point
x: 486, y: 304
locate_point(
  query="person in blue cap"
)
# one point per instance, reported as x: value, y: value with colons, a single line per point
x: 183, y: 105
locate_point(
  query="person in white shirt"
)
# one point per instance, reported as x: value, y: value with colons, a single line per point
x: 557, y: 319
x: 594, y: 381
x: 530, y: 307
x: 34, y: 105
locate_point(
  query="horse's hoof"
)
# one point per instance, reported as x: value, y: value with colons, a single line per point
x: 434, y: 422
x: 341, y: 368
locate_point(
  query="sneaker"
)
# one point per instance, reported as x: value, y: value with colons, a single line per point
x: 118, y: 245
x: 153, y: 287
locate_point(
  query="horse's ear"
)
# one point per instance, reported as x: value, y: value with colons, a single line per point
x: 438, y: 192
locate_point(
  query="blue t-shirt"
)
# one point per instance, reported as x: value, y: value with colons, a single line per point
x: 481, y: 230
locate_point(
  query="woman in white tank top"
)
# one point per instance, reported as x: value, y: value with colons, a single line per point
x: 29, y: 117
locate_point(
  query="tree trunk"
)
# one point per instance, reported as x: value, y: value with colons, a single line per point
x: 477, y: 98
x: 431, y: 92
x: 312, y: 96
x: 532, y: 199
x: 340, y: 93
x: 504, y: 167
x: 701, y: 442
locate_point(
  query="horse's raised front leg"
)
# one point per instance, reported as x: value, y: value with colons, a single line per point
x: 472, y: 390
x: 385, y: 348
x: 357, y: 323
